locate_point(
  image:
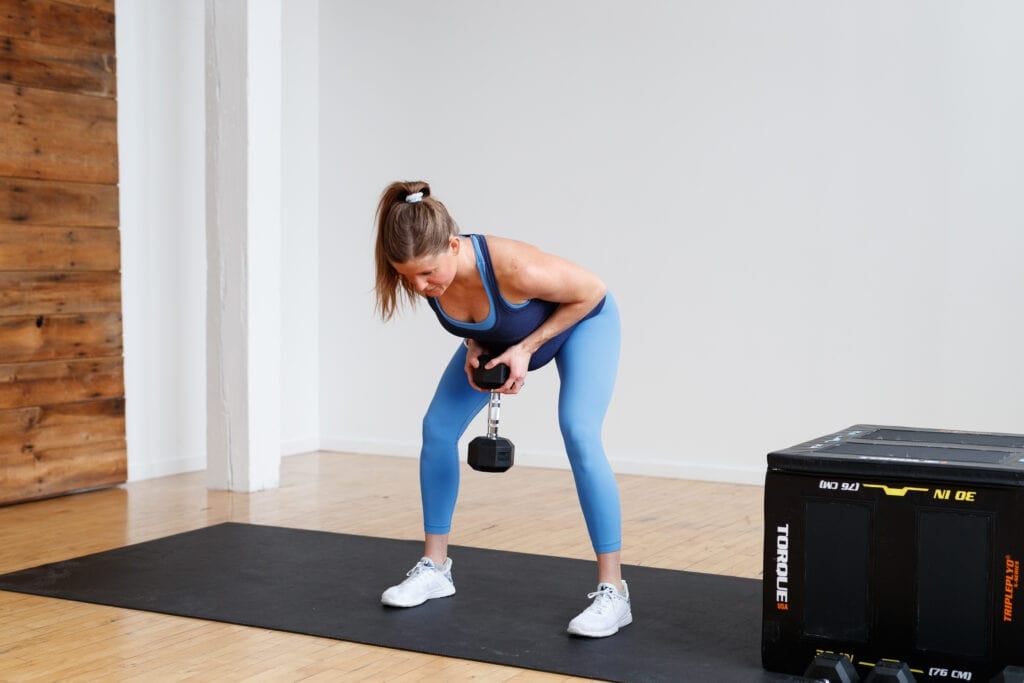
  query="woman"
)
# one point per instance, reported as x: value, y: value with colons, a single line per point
x: 525, y: 308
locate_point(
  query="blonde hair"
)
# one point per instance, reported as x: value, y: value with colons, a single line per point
x: 408, y: 227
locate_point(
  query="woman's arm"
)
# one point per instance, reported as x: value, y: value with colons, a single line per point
x: 525, y: 272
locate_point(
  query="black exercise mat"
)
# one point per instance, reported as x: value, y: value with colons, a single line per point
x: 510, y: 608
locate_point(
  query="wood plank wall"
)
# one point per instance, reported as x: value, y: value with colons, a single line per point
x: 62, y: 424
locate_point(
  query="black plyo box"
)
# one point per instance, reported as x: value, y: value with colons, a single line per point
x: 896, y: 543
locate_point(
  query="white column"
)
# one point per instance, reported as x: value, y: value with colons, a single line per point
x: 243, y: 223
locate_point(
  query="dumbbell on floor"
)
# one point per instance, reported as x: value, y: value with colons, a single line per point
x: 491, y: 453
x: 832, y: 668
x: 890, y: 671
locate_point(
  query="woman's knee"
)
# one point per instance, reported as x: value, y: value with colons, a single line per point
x: 438, y: 431
x: 580, y: 433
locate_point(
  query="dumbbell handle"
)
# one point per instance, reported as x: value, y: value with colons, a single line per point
x: 493, y: 413
x: 492, y: 379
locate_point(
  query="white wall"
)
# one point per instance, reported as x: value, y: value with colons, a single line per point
x: 161, y: 128
x: 808, y: 211
x: 160, y: 77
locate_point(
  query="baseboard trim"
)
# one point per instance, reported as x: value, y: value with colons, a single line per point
x: 651, y: 467
x: 297, y: 446
x: 646, y: 467
x: 164, y: 468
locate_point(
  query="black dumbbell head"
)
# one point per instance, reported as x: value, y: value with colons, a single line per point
x: 491, y: 455
x: 890, y: 672
x: 832, y: 668
x: 494, y: 378
x: 1011, y: 674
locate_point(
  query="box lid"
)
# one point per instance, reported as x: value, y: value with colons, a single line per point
x: 908, y: 452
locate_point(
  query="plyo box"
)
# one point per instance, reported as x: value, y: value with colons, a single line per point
x: 896, y: 543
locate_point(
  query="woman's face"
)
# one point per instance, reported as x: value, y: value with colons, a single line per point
x: 431, y: 275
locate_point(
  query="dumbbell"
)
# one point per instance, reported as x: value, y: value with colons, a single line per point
x: 491, y: 453
x: 1011, y: 674
x: 832, y: 668
x: 890, y: 671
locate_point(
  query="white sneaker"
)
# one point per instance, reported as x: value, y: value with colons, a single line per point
x: 606, y: 615
x: 424, y: 582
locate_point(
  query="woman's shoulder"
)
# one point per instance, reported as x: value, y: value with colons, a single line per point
x: 507, y: 247
x: 523, y: 269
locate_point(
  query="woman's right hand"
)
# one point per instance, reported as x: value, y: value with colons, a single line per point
x: 473, y: 351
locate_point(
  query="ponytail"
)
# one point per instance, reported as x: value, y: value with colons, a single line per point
x: 410, y: 224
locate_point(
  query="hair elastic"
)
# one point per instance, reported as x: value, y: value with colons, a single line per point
x: 414, y: 198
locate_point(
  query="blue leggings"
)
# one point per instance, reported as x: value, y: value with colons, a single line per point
x: 587, y: 364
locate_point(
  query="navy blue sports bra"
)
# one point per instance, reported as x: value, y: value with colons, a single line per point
x: 506, y: 324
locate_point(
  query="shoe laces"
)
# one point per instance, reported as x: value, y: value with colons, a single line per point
x: 421, y: 566
x: 604, y: 598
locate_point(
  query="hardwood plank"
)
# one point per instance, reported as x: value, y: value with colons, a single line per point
x: 51, y: 113
x: 102, y: 5
x: 57, y: 23
x: 51, y: 337
x: 57, y: 136
x: 37, y: 384
x: 53, y: 67
x: 27, y: 430
x: 41, y: 202
x: 29, y: 247
x: 30, y: 293
x: 39, y: 474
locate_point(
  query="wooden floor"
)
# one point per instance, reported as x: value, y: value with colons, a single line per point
x: 667, y: 523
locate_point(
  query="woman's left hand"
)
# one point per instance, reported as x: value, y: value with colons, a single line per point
x: 517, y: 359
